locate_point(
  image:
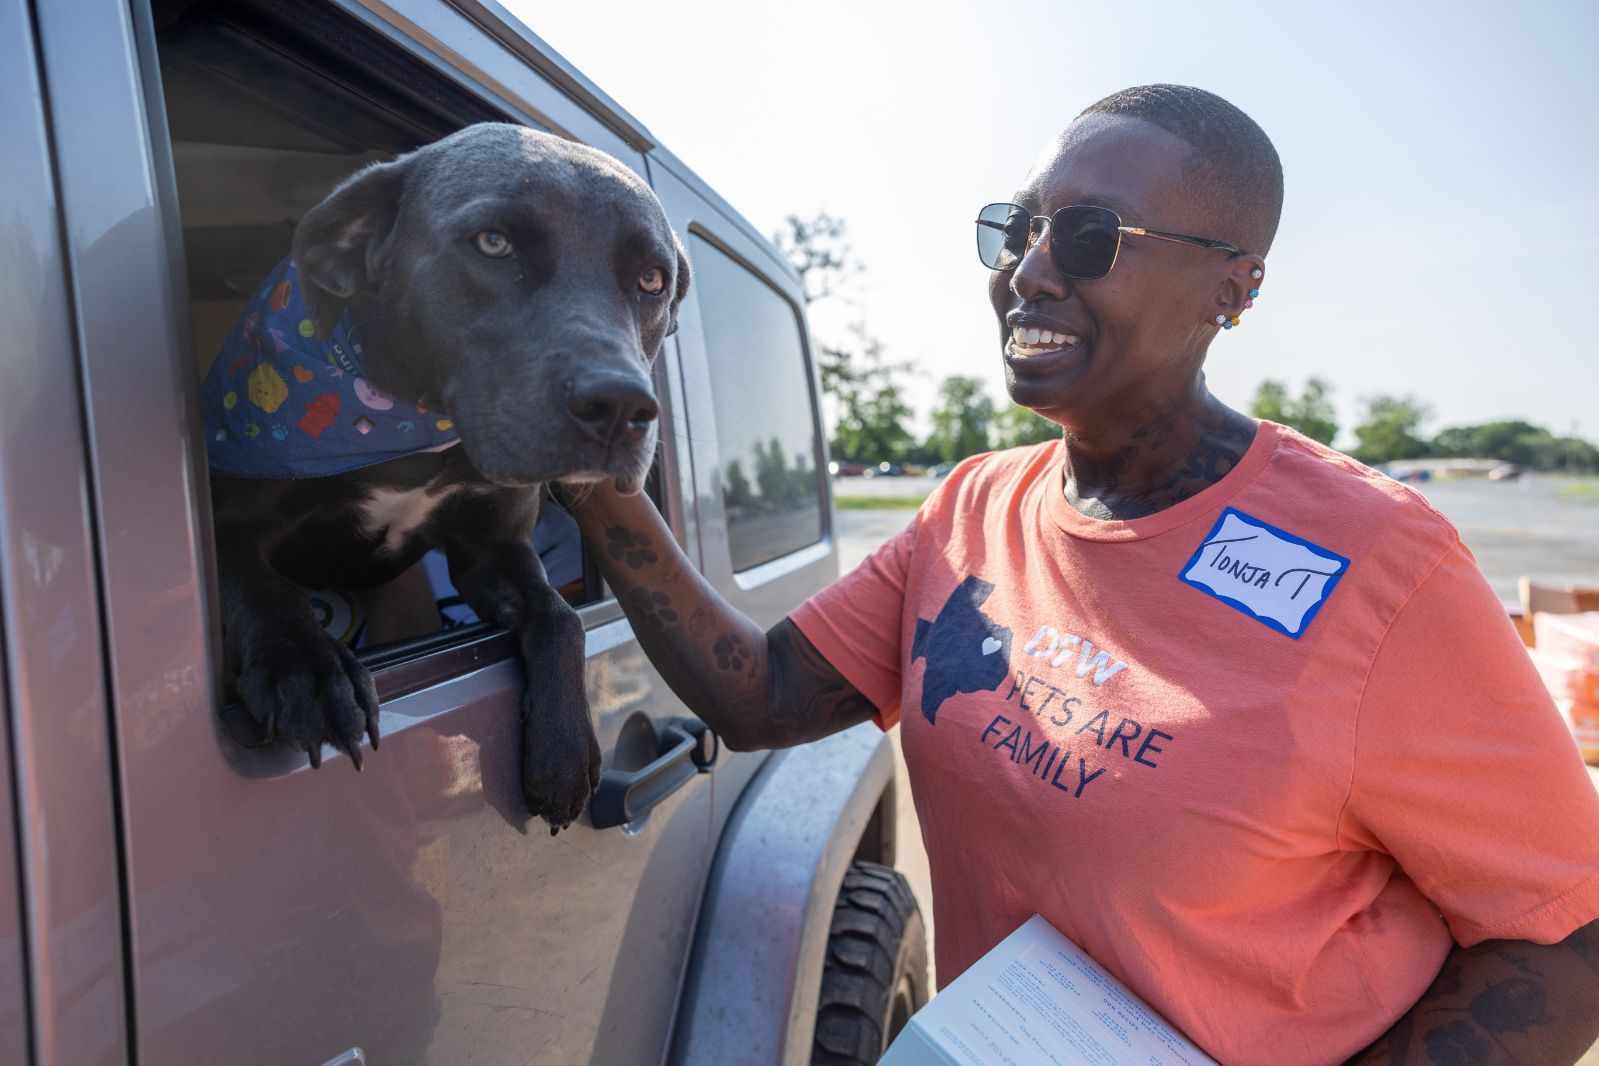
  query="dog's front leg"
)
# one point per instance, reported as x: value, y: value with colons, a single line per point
x: 506, y: 584
x: 303, y: 686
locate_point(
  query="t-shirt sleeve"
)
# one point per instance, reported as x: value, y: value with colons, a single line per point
x: 1466, y: 773
x: 856, y: 623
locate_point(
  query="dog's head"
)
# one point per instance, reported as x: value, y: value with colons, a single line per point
x: 523, y: 282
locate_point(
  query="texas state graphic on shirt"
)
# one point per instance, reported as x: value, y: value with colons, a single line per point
x: 965, y: 650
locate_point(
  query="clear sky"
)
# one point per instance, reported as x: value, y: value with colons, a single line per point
x: 1442, y: 214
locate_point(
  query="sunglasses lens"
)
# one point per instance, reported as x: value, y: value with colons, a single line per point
x: 1002, y: 235
x: 1084, y: 241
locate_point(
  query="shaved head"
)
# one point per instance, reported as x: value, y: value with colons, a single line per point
x: 1233, y: 173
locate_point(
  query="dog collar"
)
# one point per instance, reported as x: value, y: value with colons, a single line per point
x: 280, y: 402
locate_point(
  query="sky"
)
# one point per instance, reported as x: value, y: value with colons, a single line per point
x: 1442, y: 211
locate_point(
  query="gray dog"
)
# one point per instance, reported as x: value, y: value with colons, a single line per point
x: 453, y: 330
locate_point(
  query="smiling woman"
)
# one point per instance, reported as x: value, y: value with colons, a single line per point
x: 1285, y: 722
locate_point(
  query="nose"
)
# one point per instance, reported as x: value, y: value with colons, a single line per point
x: 1036, y: 276
x: 612, y: 408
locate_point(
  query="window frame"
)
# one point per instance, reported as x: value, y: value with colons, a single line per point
x: 476, y: 59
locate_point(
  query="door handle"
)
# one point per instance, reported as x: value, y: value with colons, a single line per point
x: 687, y: 748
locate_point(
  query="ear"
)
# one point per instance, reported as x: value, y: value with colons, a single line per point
x: 683, y: 277
x: 1232, y: 294
x: 338, y: 244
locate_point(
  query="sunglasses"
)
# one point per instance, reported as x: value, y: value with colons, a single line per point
x: 1083, y: 239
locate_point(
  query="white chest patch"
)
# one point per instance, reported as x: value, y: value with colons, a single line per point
x: 1267, y: 573
x: 394, y: 514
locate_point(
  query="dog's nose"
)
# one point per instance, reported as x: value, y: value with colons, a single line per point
x: 612, y: 408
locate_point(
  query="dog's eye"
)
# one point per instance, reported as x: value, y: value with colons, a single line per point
x: 493, y: 244
x: 652, y: 281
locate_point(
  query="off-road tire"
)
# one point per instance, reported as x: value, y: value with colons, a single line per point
x: 875, y: 977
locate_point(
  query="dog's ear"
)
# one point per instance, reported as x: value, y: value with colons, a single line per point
x: 338, y: 244
x: 683, y: 276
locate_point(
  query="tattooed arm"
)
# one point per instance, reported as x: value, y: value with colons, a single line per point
x: 1503, y: 1001
x: 756, y: 690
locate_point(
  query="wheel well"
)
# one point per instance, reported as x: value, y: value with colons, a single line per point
x: 877, y: 843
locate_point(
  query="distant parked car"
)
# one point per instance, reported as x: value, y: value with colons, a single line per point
x: 885, y: 469
x: 838, y: 469
x: 941, y: 470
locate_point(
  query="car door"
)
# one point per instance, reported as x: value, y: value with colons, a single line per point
x: 281, y: 915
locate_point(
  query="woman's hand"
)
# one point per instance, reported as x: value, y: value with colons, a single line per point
x: 1503, y: 1001
x: 756, y: 690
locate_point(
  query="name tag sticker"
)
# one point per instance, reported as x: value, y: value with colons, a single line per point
x: 1274, y: 577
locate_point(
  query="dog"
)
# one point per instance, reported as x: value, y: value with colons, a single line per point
x: 476, y: 319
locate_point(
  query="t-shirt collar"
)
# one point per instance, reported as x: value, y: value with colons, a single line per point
x: 1207, y: 502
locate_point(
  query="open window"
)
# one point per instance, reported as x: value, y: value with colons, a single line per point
x: 269, y: 104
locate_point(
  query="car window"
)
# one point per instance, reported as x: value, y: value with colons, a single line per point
x: 765, y: 424
x: 262, y: 128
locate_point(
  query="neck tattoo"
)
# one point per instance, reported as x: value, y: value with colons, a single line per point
x: 1139, y: 481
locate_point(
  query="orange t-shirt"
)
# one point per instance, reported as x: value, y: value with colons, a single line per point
x: 1266, y: 755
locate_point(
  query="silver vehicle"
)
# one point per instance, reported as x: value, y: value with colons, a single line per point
x: 170, y: 896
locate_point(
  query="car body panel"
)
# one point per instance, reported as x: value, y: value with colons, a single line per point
x: 752, y: 988
x: 60, y: 737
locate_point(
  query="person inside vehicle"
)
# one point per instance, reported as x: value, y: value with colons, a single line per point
x: 1236, y: 714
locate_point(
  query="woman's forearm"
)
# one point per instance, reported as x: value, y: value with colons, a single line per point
x: 755, y: 689
x: 1501, y: 1002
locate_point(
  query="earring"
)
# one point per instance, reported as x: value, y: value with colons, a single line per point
x: 1221, y: 320
x: 1257, y: 274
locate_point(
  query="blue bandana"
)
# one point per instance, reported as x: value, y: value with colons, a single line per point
x: 280, y: 402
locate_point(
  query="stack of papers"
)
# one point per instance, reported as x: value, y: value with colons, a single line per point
x: 1038, y: 1000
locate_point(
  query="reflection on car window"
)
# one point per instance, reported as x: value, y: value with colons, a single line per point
x: 760, y: 384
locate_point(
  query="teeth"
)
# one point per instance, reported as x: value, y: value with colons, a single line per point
x: 1043, y: 339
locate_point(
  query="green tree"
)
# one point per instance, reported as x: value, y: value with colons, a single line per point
x: 1311, y: 412
x: 771, y: 472
x: 1016, y: 426
x: 738, y: 494
x: 819, y: 250
x: 1271, y: 401
x: 1390, y: 429
x: 872, y: 424
x: 961, y: 420
x: 865, y: 392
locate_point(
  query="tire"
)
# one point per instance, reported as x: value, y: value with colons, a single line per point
x: 875, y: 976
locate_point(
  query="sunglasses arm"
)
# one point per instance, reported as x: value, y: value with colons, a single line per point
x: 1181, y: 238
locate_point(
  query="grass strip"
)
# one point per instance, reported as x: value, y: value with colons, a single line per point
x: 878, y: 503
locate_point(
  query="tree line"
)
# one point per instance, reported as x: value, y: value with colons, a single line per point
x: 1390, y: 428
x: 872, y: 416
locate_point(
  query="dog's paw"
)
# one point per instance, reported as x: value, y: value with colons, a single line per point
x: 306, y: 689
x: 560, y: 768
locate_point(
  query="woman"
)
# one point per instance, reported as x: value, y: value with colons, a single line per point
x: 1235, y: 713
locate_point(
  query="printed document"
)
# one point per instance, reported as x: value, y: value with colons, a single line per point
x: 1038, y: 1000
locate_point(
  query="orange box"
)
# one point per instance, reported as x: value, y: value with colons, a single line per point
x: 1573, y: 636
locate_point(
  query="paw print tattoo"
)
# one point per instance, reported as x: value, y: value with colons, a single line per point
x: 654, y: 606
x: 628, y: 547
x: 731, y: 653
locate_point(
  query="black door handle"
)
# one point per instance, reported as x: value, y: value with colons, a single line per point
x: 687, y: 748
